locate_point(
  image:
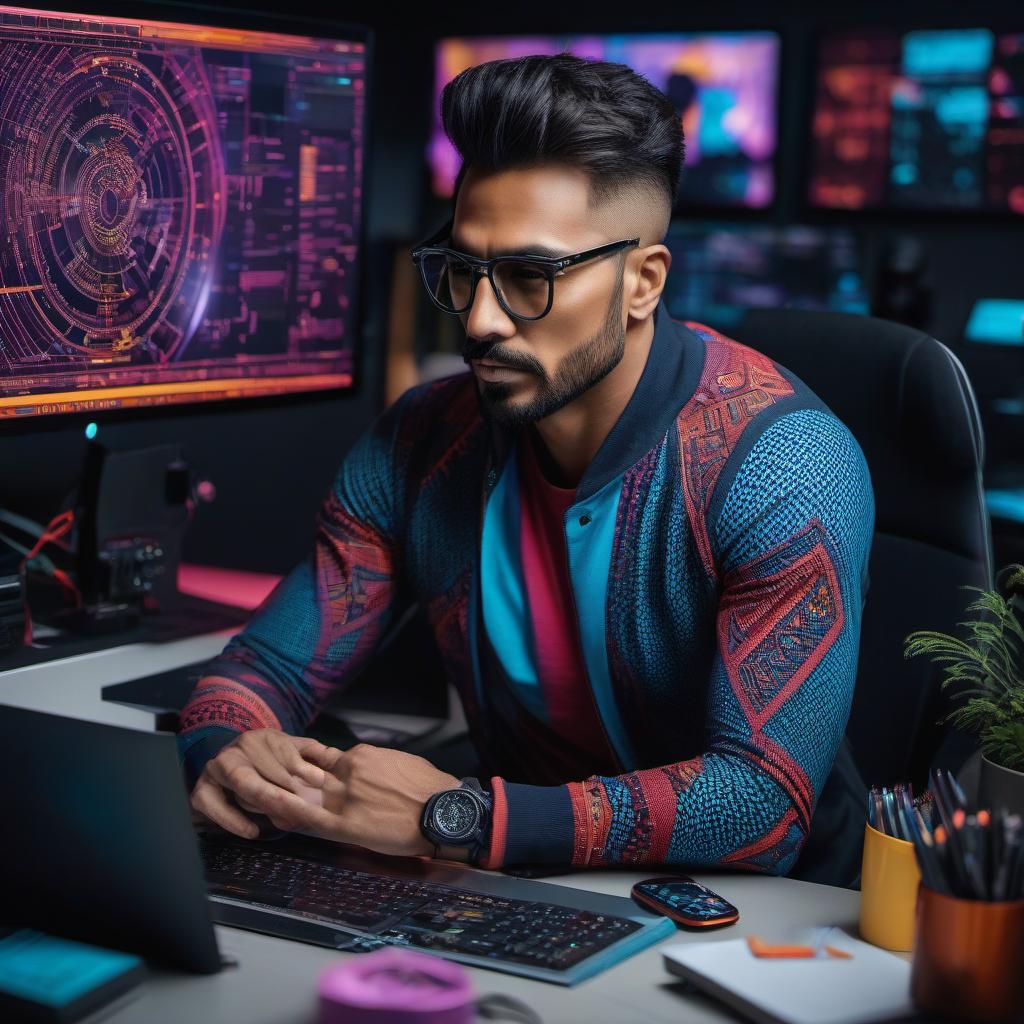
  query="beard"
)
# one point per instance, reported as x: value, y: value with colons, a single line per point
x: 586, y: 365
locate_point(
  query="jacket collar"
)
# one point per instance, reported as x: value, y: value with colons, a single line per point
x: 670, y: 377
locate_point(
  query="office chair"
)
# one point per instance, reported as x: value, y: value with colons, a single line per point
x: 907, y: 400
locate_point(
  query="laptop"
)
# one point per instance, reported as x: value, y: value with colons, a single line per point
x: 101, y: 848
x: 98, y: 842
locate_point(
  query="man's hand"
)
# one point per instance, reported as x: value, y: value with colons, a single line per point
x: 261, y: 771
x: 373, y: 797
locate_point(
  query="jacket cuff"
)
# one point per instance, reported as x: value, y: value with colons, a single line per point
x: 529, y: 825
x: 196, y: 748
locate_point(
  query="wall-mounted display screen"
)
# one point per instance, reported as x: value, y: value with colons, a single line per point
x: 919, y: 120
x: 719, y: 271
x: 724, y: 86
x: 179, y: 212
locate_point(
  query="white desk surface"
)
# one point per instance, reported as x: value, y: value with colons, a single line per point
x: 275, y: 981
x: 73, y: 686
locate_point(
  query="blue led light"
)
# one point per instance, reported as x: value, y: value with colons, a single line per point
x: 963, y: 107
x: 948, y: 52
x: 91, y: 431
x: 996, y: 322
x: 904, y: 174
x: 1006, y: 504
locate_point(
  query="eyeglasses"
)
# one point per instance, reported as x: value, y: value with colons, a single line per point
x: 523, y: 285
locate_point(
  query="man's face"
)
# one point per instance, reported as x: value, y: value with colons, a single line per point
x: 529, y: 370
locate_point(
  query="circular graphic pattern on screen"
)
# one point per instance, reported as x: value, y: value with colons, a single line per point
x: 113, y: 193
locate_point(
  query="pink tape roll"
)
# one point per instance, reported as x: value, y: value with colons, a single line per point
x: 396, y: 986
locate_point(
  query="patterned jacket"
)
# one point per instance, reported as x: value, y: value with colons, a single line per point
x: 717, y: 552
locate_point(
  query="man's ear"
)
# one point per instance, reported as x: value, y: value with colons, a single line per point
x: 649, y: 274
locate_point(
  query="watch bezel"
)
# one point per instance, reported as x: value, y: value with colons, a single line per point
x: 442, y: 837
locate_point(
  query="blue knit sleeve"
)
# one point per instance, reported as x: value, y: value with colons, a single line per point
x: 321, y: 623
x: 791, y: 545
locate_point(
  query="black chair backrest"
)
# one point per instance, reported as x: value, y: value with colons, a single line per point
x: 907, y: 400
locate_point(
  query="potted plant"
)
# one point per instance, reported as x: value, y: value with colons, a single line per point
x: 986, y: 667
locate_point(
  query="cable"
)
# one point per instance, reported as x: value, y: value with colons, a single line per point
x: 19, y: 522
x: 43, y: 561
x: 502, y: 1007
x: 54, y: 531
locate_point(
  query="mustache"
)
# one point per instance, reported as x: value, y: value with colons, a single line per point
x: 494, y: 353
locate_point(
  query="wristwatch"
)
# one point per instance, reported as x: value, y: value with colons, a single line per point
x: 459, y: 817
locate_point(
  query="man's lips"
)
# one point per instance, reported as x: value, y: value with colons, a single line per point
x: 494, y: 373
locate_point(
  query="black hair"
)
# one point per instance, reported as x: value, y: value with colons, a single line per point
x: 600, y: 117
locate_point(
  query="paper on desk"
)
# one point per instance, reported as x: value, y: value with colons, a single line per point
x: 872, y: 985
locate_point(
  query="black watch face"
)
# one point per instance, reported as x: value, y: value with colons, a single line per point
x: 455, y: 816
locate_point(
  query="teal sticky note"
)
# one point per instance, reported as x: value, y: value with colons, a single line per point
x: 55, y: 972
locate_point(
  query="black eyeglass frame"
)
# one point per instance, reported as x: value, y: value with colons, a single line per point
x: 551, y: 265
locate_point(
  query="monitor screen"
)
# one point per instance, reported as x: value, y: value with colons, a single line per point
x: 180, y: 212
x: 721, y: 270
x: 724, y: 86
x: 924, y: 119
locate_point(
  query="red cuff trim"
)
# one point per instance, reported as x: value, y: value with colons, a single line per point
x: 495, y: 857
x: 592, y: 821
x: 581, y: 829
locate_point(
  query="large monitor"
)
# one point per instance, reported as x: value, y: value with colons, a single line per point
x: 930, y: 120
x: 180, y: 211
x: 719, y: 271
x: 723, y: 84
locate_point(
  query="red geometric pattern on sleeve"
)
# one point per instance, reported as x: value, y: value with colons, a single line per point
x: 779, y: 614
x: 736, y: 384
x: 230, y: 704
x: 355, y: 572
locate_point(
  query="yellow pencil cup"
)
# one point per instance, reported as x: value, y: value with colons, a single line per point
x: 888, y: 891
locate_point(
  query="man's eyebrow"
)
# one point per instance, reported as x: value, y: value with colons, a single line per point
x: 522, y: 250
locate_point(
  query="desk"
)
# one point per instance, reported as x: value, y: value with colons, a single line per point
x: 72, y: 686
x: 275, y: 982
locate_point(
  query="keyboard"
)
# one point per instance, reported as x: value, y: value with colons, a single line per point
x: 444, y: 919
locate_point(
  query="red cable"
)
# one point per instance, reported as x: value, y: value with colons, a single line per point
x: 55, y: 529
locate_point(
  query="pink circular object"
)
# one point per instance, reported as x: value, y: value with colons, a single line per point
x: 396, y: 986
x: 206, y: 491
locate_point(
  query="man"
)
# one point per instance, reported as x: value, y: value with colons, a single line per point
x: 641, y: 546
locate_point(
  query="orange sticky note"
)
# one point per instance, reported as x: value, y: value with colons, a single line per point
x: 767, y: 950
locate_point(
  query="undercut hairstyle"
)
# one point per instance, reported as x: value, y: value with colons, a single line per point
x: 600, y: 117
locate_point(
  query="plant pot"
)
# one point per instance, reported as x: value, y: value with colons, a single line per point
x: 1000, y: 787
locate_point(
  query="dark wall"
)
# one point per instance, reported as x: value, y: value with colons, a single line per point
x: 272, y: 465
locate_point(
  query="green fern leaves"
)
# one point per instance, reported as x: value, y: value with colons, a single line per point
x: 986, y: 667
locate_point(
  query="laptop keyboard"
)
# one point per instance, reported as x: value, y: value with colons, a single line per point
x: 426, y: 915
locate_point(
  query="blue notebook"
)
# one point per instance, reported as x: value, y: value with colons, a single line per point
x: 44, y: 978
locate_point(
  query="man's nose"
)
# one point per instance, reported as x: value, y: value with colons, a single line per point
x: 486, y: 318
